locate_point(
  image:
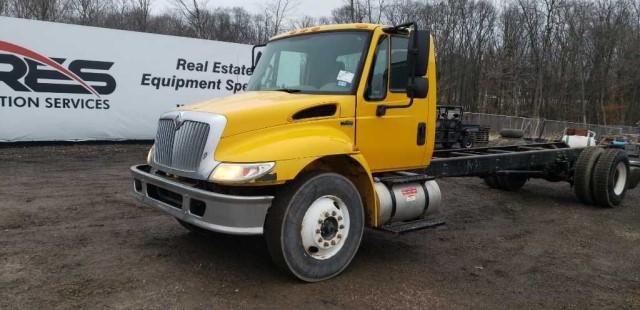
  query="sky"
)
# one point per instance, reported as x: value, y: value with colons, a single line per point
x: 314, y: 8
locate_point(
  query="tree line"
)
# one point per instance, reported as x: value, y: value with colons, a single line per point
x: 573, y: 60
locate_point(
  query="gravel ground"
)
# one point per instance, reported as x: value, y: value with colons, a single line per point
x: 71, y: 236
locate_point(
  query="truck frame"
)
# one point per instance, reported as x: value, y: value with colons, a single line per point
x: 336, y: 133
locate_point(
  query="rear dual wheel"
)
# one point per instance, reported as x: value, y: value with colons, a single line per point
x: 610, y: 178
x: 584, y: 172
x: 314, y: 226
x: 601, y: 176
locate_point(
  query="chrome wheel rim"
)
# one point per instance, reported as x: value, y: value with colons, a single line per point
x: 620, y: 178
x: 325, y: 227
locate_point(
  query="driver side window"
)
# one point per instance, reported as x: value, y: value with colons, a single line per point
x: 377, y: 84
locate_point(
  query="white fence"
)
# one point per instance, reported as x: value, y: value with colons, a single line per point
x: 537, y: 127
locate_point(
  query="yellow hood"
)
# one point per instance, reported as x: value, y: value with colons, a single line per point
x: 261, y: 109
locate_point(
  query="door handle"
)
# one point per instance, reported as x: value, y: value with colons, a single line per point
x: 422, y: 133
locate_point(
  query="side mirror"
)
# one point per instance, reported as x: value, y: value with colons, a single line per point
x: 417, y: 60
x: 418, y: 53
x: 419, y: 88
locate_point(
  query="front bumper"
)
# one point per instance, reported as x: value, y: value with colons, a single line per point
x: 239, y: 215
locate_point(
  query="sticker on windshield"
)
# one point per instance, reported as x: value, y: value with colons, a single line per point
x: 345, y: 76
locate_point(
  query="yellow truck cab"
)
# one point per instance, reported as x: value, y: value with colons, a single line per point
x: 333, y: 134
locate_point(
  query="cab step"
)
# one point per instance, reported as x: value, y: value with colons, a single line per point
x: 405, y: 227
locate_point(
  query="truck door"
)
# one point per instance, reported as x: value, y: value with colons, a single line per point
x: 395, y: 140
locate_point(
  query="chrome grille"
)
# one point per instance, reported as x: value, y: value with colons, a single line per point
x: 180, y: 148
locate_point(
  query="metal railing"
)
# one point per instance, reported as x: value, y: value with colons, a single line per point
x: 542, y: 128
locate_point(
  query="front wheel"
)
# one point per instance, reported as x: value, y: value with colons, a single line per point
x: 314, y: 226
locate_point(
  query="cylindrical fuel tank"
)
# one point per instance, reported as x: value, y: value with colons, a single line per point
x: 407, y: 201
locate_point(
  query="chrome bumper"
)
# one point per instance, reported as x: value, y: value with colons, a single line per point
x: 239, y: 215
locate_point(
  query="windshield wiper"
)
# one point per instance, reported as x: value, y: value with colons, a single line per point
x: 288, y: 90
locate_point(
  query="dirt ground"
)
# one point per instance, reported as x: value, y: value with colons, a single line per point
x: 71, y: 236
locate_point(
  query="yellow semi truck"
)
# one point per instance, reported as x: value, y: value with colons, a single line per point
x: 335, y: 133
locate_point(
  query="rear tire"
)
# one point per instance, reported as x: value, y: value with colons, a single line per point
x: 491, y: 181
x: 466, y: 142
x: 510, y: 183
x: 511, y: 133
x: 314, y: 226
x: 583, y: 173
x: 611, y: 178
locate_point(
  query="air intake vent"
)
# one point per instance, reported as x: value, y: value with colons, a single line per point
x: 324, y: 110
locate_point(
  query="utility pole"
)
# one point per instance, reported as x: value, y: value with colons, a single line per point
x: 353, y: 18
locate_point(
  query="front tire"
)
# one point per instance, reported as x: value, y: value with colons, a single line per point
x: 314, y: 226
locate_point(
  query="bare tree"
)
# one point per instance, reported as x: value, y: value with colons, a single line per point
x: 360, y: 11
x: 562, y: 59
x: 87, y: 12
x: 196, y: 15
x: 305, y: 22
x: 49, y: 10
x: 141, y: 12
x: 276, y: 11
x: 3, y: 6
x: 344, y: 14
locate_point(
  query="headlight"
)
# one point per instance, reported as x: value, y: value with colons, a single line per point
x: 229, y: 172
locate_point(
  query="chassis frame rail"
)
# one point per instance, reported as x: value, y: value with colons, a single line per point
x: 491, y: 160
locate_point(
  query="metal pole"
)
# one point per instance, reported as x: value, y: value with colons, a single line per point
x: 353, y: 18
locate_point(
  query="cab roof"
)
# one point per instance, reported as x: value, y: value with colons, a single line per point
x: 356, y: 26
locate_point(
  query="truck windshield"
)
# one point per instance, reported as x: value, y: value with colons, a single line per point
x: 326, y: 62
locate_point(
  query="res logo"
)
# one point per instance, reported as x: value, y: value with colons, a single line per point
x: 27, y: 71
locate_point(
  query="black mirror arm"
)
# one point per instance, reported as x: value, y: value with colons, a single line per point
x: 253, y: 55
x: 381, y: 110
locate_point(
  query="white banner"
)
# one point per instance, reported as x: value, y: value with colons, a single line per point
x: 69, y: 82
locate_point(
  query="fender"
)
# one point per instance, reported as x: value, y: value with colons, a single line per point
x: 322, y: 140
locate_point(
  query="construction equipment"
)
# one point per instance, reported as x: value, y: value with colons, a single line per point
x: 451, y: 131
